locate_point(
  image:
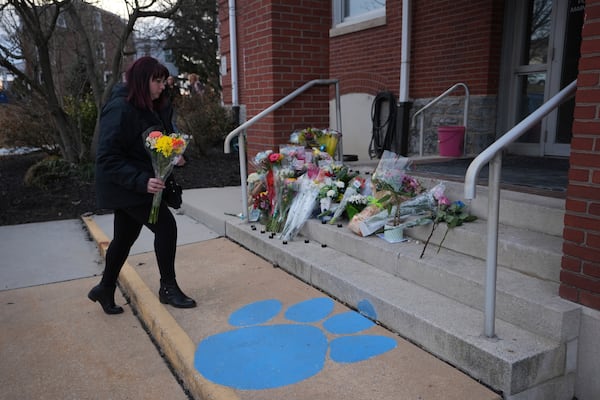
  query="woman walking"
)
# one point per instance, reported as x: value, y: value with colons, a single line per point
x: 125, y: 180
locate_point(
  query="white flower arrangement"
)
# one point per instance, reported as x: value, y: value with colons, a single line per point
x: 358, y: 200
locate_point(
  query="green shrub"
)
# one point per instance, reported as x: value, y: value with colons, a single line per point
x: 54, y: 170
x: 83, y: 111
x: 205, y: 119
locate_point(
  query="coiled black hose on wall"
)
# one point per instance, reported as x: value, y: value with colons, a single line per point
x: 383, y: 116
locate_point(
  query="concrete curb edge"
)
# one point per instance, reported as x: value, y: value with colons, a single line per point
x: 174, y: 342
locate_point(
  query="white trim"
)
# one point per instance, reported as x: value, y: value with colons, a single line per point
x: 343, y: 29
x: 366, y: 20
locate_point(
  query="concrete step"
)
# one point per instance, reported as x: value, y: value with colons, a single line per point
x: 522, y: 300
x: 531, y: 253
x: 520, y: 210
x: 435, y: 301
x: 515, y: 363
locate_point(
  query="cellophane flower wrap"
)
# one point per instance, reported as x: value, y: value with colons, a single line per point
x: 164, y: 150
x: 301, y: 208
x: 353, y: 189
x: 284, y: 186
x: 391, y: 176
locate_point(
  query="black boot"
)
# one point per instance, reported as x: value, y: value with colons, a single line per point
x: 106, y: 297
x: 171, y: 294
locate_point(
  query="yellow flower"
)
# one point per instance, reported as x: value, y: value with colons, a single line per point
x: 164, y: 145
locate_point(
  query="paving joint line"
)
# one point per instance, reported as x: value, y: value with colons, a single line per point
x: 173, y: 341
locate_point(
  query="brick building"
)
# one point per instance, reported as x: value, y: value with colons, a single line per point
x: 512, y: 55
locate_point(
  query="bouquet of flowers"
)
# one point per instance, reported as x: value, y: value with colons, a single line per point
x: 353, y: 189
x: 330, y: 192
x: 453, y: 214
x: 325, y: 140
x: 424, y: 203
x: 328, y: 141
x: 356, y: 203
x: 301, y: 207
x: 390, y: 176
x: 164, y: 150
x: 284, y: 183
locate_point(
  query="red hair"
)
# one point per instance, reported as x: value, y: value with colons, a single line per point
x: 138, y: 78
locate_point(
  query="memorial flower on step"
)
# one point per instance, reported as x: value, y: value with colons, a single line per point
x: 391, y: 177
x: 356, y: 203
x: 354, y: 187
x: 397, y: 194
x: 302, y: 206
x: 452, y: 214
x: 328, y: 141
x: 284, y: 190
x: 321, y: 158
x: 330, y: 192
x: 307, y: 137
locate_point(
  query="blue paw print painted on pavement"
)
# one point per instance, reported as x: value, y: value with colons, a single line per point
x: 256, y: 356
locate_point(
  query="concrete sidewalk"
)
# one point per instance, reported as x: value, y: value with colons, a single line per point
x: 257, y: 333
x: 54, y: 342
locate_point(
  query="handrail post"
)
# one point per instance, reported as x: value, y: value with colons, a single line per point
x: 493, y: 155
x: 242, y: 128
x: 243, y: 175
x: 492, y: 244
x: 338, y: 120
x: 421, y: 122
x: 434, y: 101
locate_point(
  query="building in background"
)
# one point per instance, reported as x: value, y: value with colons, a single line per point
x: 512, y: 55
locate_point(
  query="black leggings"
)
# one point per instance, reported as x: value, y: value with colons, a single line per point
x: 128, y: 223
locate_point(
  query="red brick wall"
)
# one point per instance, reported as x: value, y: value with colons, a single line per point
x: 282, y: 44
x: 452, y: 41
x: 456, y: 41
x: 368, y: 61
x: 580, y: 275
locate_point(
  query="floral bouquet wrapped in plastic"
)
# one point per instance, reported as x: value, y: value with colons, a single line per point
x: 301, y: 208
x: 330, y: 194
x: 424, y: 203
x: 353, y: 189
x: 328, y: 141
x: 390, y: 176
x: 164, y: 150
x: 284, y: 186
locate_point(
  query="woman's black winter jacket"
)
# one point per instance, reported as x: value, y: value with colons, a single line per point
x: 123, y: 165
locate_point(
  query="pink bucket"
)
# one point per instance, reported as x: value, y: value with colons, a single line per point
x: 450, y: 140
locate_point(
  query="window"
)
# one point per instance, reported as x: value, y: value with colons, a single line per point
x: 352, y: 11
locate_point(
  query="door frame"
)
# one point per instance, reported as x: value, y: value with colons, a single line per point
x: 512, y: 74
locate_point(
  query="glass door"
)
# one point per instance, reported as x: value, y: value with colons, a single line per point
x: 545, y: 36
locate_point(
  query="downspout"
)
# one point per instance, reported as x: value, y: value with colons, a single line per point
x: 235, y: 107
x: 404, y: 103
x: 233, y: 54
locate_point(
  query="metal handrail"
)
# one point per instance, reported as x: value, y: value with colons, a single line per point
x: 434, y: 101
x: 241, y: 144
x: 493, y: 156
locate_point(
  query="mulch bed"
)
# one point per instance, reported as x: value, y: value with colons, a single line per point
x: 73, y: 197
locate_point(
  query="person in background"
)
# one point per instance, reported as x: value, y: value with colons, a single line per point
x: 196, y: 87
x: 172, y: 90
x: 125, y: 180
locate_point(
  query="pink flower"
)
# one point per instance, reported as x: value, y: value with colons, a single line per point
x: 444, y: 201
x: 275, y: 157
